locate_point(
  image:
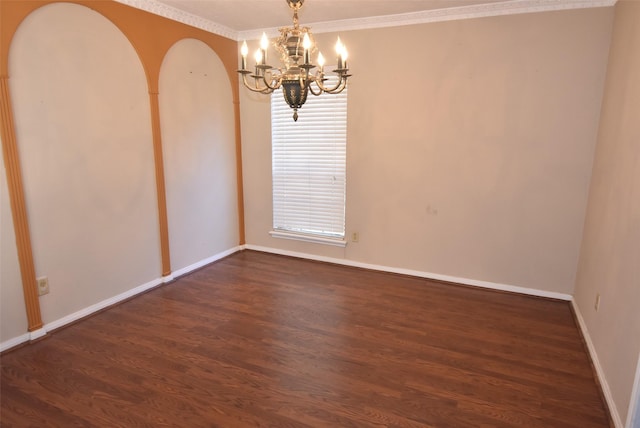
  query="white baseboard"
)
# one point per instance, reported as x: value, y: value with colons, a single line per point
x: 604, y: 385
x: 633, y: 415
x: 8, y: 344
x: 197, y: 265
x: 416, y: 273
x: 37, y: 334
x: 101, y: 305
x: 27, y: 337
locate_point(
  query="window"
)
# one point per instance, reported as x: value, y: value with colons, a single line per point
x: 309, y: 168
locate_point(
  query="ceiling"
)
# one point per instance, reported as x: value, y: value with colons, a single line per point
x: 244, y: 15
x: 246, y: 19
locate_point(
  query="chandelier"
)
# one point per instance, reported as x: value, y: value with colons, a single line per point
x: 295, y: 45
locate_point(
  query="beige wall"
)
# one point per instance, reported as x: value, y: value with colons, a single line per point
x: 199, y: 153
x: 82, y: 125
x: 470, y: 146
x: 610, y: 256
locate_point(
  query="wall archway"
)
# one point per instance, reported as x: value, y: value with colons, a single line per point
x: 87, y: 165
x: 151, y: 37
x: 196, y: 112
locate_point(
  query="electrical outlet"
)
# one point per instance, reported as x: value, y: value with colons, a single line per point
x: 597, y: 304
x: 355, y: 237
x: 43, y: 285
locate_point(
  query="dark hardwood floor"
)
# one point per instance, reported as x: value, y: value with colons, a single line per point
x: 263, y: 340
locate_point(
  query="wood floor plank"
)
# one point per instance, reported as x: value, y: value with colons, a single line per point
x: 260, y: 340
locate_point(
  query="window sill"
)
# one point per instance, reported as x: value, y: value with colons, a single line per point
x: 337, y: 242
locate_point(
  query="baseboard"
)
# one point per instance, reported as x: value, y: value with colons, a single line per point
x: 101, y: 305
x: 11, y: 343
x: 180, y: 272
x: 633, y: 415
x: 604, y: 385
x: 78, y: 315
x: 37, y: 334
x: 23, y: 338
x: 416, y: 273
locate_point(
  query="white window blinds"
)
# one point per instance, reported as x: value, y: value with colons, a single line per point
x: 309, y: 165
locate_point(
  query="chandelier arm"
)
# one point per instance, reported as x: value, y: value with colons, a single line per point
x: 273, y: 86
x: 311, y: 88
x: 255, y: 88
x: 339, y: 87
x: 304, y: 83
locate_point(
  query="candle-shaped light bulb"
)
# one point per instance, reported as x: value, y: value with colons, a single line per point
x: 264, y: 44
x: 339, y: 46
x: 339, y: 50
x: 320, y: 60
x: 345, y: 55
x: 259, y: 60
x: 244, y: 50
x: 306, y: 44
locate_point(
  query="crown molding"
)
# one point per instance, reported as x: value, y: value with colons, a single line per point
x: 510, y: 7
x: 513, y: 7
x: 170, y: 12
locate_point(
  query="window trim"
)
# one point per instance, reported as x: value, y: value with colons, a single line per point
x: 307, y: 237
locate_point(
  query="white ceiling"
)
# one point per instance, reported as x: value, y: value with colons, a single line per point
x: 244, y: 15
x: 246, y: 19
